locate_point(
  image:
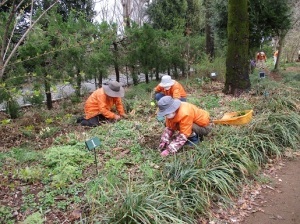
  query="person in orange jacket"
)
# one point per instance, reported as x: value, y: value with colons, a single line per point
x: 261, y: 59
x: 169, y: 87
x: 275, y: 56
x: 100, y: 103
x: 185, y: 123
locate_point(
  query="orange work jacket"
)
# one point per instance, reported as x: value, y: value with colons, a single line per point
x: 100, y: 103
x: 176, y: 91
x: 186, y: 115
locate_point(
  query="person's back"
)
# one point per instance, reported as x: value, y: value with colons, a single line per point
x: 275, y: 56
x: 186, y: 115
x: 99, y: 102
x: 98, y: 107
x: 169, y: 87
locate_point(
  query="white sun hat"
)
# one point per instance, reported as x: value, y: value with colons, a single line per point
x: 166, y: 81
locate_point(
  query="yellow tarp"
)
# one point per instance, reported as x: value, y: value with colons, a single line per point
x: 233, y: 118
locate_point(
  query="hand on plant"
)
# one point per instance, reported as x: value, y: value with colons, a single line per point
x: 165, y: 153
x: 117, y: 117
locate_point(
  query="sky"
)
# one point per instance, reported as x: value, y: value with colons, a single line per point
x: 109, y: 10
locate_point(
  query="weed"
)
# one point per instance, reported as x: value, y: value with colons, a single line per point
x: 6, y: 215
x: 29, y: 203
x: 49, y: 121
x: 114, y: 166
x: 30, y: 174
x: 47, y: 199
x: 69, y: 139
x: 148, y: 170
x: 209, y: 102
x: 48, y: 132
x: 263, y: 179
x: 240, y: 104
x: 35, y: 218
x: 5, y: 121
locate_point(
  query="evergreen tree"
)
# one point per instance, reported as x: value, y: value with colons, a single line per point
x: 168, y: 14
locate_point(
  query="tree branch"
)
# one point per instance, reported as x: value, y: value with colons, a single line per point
x: 22, y: 38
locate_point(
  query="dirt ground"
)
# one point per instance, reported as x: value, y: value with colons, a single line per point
x: 278, y: 202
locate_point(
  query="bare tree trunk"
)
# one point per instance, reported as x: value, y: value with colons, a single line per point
x: 48, y: 93
x: 126, y: 15
x: 237, y: 67
x: 280, y: 43
x: 78, y: 83
x: 116, y: 64
x: 209, y: 35
x: 156, y: 74
x: 146, y: 77
x: 100, y: 80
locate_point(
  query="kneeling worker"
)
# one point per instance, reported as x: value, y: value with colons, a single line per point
x: 190, y: 121
x: 100, y: 103
x: 169, y: 87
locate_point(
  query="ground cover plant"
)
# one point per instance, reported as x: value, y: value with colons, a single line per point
x: 48, y: 175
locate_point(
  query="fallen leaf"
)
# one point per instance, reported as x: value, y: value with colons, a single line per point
x: 117, y: 149
x: 279, y: 217
x: 267, y: 186
x: 244, y: 206
x: 76, y: 214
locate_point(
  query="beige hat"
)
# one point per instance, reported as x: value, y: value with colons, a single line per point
x: 114, y: 89
x: 166, y: 81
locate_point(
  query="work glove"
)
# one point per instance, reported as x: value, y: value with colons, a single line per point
x: 117, y: 117
x: 165, y: 153
x: 166, y: 135
x: 177, y: 143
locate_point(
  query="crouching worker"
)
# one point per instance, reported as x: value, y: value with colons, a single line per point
x: 100, y: 103
x: 169, y: 87
x: 185, y: 123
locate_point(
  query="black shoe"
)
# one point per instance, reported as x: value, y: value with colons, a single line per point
x: 84, y: 122
x: 79, y: 120
x: 201, y: 139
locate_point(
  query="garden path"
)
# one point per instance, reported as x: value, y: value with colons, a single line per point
x: 278, y: 203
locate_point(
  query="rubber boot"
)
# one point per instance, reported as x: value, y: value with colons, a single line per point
x: 192, y: 139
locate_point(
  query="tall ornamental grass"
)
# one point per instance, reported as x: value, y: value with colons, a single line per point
x: 187, y: 184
